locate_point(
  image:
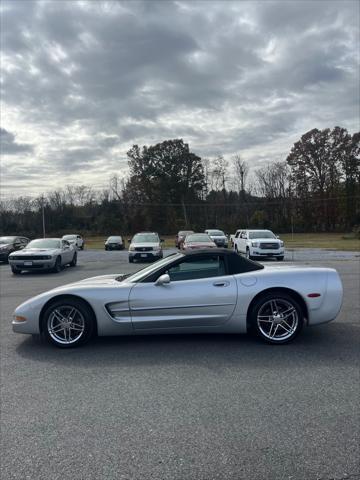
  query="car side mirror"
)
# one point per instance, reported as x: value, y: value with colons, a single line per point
x: 163, y: 280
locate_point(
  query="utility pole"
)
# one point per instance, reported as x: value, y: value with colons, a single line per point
x: 43, y: 215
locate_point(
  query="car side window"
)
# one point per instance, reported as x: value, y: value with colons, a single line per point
x: 237, y: 234
x: 196, y: 268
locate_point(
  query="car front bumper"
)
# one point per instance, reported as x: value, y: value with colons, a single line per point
x: 154, y: 255
x: 258, y: 252
x: 33, y: 264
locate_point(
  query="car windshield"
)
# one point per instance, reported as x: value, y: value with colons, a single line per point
x: 69, y: 237
x: 216, y: 233
x: 114, y: 239
x: 184, y: 232
x: 145, y: 238
x: 261, y: 234
x: 5, y: 240
x: 198, y: 237
x: 144, y: 272
x: 44, y: 243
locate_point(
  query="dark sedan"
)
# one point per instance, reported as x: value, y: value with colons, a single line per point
x: 11, y: 244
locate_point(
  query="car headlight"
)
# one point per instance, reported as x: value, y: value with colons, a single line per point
x: 47, y: 257
x: 131, y: 248
x: 281, y: 244
x: 254, y: 244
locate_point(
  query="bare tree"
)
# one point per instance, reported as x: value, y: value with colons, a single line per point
x: 241, y: 170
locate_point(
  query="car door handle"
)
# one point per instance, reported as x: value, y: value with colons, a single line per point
x: 221, y: 284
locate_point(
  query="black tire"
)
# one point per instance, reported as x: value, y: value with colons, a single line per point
x: 82, y: 247
x: 15, y: 271
x: 131, y: 260
x: 74, y: 260
x: 80, y: 316
x: 106, y: 248
x: 279, y: 259
x: 264, y: 323
x: 57, y: 267
x: 236, y: 249
x: 6, y: 260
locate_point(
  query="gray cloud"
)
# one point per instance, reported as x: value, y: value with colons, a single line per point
x: 9, y: 146
x: 85, y: 80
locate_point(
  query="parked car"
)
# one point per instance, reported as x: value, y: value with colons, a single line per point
x: 145, y: 246
x: 114, y: 242
x: 180, y: 237
x: 219, y: 237
x: 11, y: 244
x: 226, y: 292
x: 50, y: 254
x: 196, y: 241
x: 75, y: 240
x: 259, y: 243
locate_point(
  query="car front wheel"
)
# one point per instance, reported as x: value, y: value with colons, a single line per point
x: 68, y: 323
x: 57, y: 266
x: 276, y: 318
x: 15, y: 271
x: 74, y: 260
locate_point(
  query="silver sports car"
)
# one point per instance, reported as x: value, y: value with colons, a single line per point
x: 203, y: 291
x: 50, y: 254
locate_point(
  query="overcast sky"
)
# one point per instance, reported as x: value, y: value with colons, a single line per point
x: 82, y: 81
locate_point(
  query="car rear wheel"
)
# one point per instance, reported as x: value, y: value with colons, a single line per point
x: 68, y: 323
x: 277, y: 318
x: 15, y: 271
x: 74, y: 260
x: 131, y: 260
x: 57, y: 266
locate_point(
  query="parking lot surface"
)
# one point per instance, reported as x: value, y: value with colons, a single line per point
x: 180, y: 407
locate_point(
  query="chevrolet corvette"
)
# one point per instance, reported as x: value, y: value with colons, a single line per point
x: 208, y: 291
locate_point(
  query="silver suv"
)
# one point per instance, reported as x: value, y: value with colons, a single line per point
x: 145, y: 246
x: 219, y: 237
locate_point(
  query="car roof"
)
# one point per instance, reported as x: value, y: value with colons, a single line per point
x: 236, y: 262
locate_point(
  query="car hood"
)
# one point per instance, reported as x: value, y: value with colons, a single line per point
x: 36, y: 251
x: 266, y: 240
x: 145, y: 244
x: 100, y: 280
x: 200, y: 244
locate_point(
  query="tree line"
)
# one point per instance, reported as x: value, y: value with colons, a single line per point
x: 169, y: 188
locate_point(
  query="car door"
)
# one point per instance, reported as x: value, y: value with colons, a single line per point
x: 67, y: 252
x: 199, y: 294
x: 242, y: 242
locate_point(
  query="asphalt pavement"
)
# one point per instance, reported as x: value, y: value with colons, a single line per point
x: 180, y: 407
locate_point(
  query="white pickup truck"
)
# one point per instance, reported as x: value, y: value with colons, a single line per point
x: 258, y: 243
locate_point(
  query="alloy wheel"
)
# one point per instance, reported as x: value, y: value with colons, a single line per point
x: 277, y: 320
x: 66, y: 325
